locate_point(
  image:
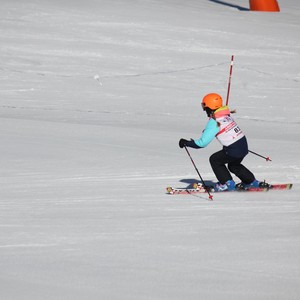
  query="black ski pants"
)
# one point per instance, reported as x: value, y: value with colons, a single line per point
x: 218, y: 162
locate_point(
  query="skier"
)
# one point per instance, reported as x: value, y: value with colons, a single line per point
x: 222, y: 126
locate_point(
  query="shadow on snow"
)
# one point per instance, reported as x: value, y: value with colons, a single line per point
x: 230, y: 5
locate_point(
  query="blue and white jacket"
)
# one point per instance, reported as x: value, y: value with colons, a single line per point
x: 222, y: 126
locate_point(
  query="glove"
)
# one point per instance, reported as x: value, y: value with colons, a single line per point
x: 182, y: 143
x: 186, y: 143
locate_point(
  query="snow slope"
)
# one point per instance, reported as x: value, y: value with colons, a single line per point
x: 94, y: 97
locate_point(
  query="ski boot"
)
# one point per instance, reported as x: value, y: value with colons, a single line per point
x: 227, y: 186
x: 253, y: 185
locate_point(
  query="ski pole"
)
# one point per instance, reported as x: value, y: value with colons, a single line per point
x: 202, y: 181
x: 266, y: 158
x: 229, y: 81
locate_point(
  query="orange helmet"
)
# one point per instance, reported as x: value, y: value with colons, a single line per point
x: 212, y: 101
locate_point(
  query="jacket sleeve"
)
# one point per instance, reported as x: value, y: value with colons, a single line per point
x: 208, y: 133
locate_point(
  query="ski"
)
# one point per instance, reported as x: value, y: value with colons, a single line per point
x: 199, y: 188
x: 177, y: 191
x: 281, y: 186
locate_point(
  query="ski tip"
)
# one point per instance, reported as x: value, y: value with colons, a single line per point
x: 289, y: 186
x: 281, y: 186
x: 169, y: 190
x: 195, y: 185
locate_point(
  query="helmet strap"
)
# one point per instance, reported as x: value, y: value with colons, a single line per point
x: 209, y: 111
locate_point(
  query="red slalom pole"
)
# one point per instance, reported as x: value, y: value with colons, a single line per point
x: 229, y: 81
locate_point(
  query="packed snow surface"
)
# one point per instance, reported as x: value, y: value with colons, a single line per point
x: 94, y: 97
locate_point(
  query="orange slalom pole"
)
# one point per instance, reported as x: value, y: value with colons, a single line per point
x: 264, y: 5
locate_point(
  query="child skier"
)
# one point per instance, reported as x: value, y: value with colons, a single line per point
x: 222, y: 126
